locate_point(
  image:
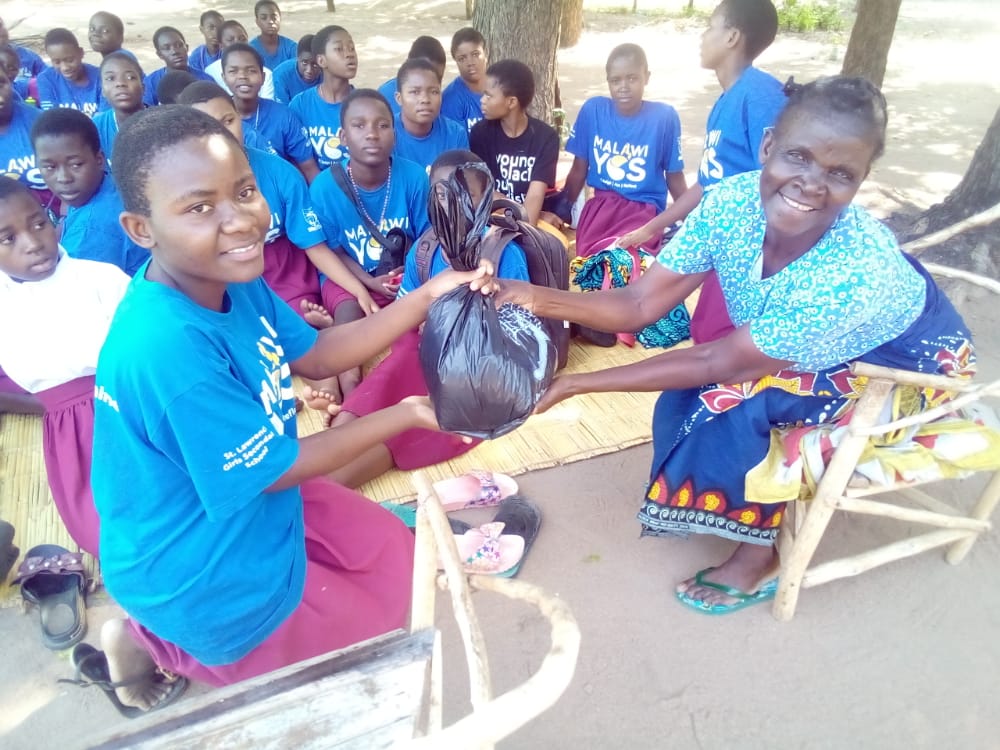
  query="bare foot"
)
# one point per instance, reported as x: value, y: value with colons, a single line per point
x: 349, y: 381
x: 316, y: 315
x: 321, y: 399
x: 749, y: 566
x: 127, y: 660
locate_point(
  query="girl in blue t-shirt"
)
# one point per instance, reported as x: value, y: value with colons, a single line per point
x: 17, y: 156
x: 203, y: 470
x: 422, y: 132
x: 628, y: 150
x: 460, y: 99
x: 377, y: 190
x: 70, y: 82
x: 121, y: 87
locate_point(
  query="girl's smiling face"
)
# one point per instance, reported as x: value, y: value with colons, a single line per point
x: 207, y: 219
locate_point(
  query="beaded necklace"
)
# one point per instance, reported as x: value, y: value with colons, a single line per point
x: 361, y: 205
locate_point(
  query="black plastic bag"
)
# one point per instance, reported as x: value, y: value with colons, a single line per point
x: 485, y: 368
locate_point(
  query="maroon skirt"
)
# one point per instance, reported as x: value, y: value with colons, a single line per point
x: 710, y: 320
x: 290, y: 273
x: 396, y: 377
x: 68, y: 447
x: 359, y: 572
x: 606, y: 217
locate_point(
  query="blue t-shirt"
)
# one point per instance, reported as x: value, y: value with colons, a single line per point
x: 288, y: 83
x: 107, y: 130
x: 151, y: 81
x: 343, y: 226
x: 280, y: 131
x: 388, y: 90
x: 17, y: 156
x: 445, y: 135
x: 192, y: 545
x: 850, y: 293
x: 461, y: 104
x: 93, y: 232
x: 201, y: 58
x: 322, y: 123
x: 288, y: 49
x: 21, y: 90
x: 629, y: 155
x: 55, y: 91
x: 31, y: 63
x: 285, y: 190
x: 736, y: 126
x: 513, y: 265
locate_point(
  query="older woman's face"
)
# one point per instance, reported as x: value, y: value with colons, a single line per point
x: 812, y: 169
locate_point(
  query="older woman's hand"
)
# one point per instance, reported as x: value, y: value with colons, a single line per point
x: 562, y: 388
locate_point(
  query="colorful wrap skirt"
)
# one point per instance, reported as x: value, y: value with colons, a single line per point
x: 707, y: 440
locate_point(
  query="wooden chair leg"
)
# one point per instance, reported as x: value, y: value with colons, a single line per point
x: 794, y: 567
x: 981, y: 511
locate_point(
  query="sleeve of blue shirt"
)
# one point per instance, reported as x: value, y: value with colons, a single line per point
x: 579, y: 134
x: 48, y: 95
x: 321, y: 192
x: 302, y: 225
x: 411, y: 280
x: 762, y: 112
x: 297, y: 145
x: 672, y: 156
x: 417, y: 195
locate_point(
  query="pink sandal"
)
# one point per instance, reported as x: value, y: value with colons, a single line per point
x: 488, y: 551
x: 474, y: 489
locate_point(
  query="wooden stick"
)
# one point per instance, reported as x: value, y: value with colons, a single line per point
x: 937, y: 412
x: 857, y: 564
x: 480, y: 684
x: 983, y: 509
x: 982, y: 219
x: 425, y: 557
x: 887, y: 510
x: 931, y: 503
x: 512, y: 710
x: 908, y: 377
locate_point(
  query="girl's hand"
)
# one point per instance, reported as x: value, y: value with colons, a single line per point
x: 515, y: 292
x: 562, y: 388
x: 423, y: 412
x: 387, y: 283
x: 368, y: 305
x: 480, y: 280
x: 635, y: 238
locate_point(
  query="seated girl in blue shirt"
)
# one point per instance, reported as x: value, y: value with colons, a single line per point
x: 399, y: 375
x: 422, y: 132
x: 203, y: 472
x: 293, y: 77
x: 206, y: 54
x: 389, y: 193
x: 70, y: 82
x: 280, y: 130
x: 68, y: 154
x: 121, y: 87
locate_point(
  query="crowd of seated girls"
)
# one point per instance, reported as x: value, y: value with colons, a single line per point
x: 339, y: 169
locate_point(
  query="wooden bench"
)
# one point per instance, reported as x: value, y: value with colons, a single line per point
x: 385, y: 692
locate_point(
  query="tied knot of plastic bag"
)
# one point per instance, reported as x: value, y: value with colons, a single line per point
x: 485, y: 368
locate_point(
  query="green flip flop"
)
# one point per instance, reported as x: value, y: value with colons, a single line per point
x: 765, y: 593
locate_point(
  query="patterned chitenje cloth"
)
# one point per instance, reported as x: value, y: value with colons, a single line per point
x: 612, y: 268
x: 708, y: 440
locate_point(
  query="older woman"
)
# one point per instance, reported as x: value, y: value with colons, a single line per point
x: 811, y: 282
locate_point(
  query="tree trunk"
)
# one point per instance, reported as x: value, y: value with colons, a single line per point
x: 871, y: 37
x: 571, y: 26
x: 330, y: 6
x: 525, y: 30
x: 468, y: 9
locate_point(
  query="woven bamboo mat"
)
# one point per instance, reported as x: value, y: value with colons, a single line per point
x: 580, y: 428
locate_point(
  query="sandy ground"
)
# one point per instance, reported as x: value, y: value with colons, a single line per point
x: 903, y: 657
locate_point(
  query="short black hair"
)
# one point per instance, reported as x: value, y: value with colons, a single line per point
x: 305, y: 45
x: 10, y: 50
x: 362, y: 94
x: 200, y: 92
x: 415, y: 63
x: 66, y: 121
x: 116, y: 22
x: 209, y: 14
x: 263, y: 3
x: 515, y: 79
x: 241, y: 47
x: 633, y: 51
x: 756, y: 20
x: 166, y: 30
x: 851, y: 96
x: 146, y: 135
x: 322, y: 38
x: 172, y: 84
x: 60, y: 36
x: 466, y: 34
x: 430, y: 48
x: 126, y: 57
x: 10, y: 187
x: 230, y: 24
x: 455, y: 157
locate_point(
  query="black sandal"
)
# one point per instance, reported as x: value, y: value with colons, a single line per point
x: 53, y: 579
